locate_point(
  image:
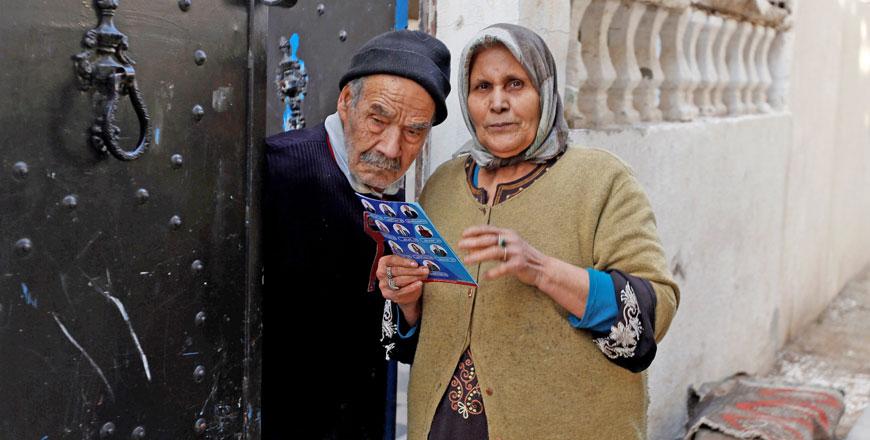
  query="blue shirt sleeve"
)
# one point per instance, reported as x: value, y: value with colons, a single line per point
x: 411, y: 330
x: 601, y: 306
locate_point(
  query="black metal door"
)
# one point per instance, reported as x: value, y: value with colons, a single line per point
x: 123, y: 282
x: 129, y: 223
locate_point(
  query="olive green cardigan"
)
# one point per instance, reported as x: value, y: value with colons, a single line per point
x: 540, y: 378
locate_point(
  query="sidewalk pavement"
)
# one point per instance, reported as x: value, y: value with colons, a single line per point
x: 834, y: 351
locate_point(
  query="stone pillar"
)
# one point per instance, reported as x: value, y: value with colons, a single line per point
x: 707, y: 65
x: 621, y: 41
x: 652, y: 76
x: 599, y: 68
x: 678, y: 73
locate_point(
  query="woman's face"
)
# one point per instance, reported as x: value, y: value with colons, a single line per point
x: 503, y: 103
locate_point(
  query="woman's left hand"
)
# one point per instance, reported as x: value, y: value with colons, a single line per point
x: 489, y: 243
x: 565, y: 283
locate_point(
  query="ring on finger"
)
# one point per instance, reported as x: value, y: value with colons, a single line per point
x: 504, y: 256
x: 502, y: 242
x: 391, y: 283
x: 389, y: 272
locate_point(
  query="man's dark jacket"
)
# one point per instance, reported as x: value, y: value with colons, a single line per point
x: 324, y: 369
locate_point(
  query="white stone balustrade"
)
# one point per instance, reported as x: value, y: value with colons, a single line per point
x: 633, y: 61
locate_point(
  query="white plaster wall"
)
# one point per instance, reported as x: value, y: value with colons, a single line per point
x: 827, y: 231
x: 851, y: 195
x: 764, y: 218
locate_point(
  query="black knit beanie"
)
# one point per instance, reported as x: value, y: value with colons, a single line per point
x: 410, y: 54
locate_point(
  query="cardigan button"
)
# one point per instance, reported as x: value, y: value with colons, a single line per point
x: 488, y: 391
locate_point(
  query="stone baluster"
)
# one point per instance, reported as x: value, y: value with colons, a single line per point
x: 753, y: 78
x: 693, y: 32
x: 764, y: 78
x: 707, y: 65
x: 737, y: 70
x: 720, y: 53
x: 599, y: 67
x: 780, y: 60
x: 621, y: 38
x: 646, y: 44
x: 677, y: 71
x: 575, y: 72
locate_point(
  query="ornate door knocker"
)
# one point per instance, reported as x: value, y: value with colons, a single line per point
x: 105, y: 68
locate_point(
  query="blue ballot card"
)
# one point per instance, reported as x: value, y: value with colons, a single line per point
x: 409, y: 233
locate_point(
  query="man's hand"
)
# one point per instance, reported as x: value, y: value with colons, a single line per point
x: 401, y: 281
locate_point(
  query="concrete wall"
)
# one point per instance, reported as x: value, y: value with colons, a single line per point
x: 827, y: 230
x: 764, y: 218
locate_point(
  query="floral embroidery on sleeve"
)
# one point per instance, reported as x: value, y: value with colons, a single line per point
x: 625, y: 334
x: 388, y: 329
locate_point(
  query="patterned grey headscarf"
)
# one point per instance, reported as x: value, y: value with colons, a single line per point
x: 531, y: 51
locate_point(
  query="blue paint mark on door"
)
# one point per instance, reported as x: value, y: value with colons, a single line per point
x: 287, y: 117
x: 28, y: 298
x: 401, y: 14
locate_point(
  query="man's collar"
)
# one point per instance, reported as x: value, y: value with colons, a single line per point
x: 335, y: 135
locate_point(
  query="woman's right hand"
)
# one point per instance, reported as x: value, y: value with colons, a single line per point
x: 401, y: 281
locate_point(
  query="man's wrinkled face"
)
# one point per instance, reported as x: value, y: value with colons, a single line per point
x: 384, y: 127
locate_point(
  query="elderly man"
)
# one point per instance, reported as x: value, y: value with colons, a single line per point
x: 320, y: 290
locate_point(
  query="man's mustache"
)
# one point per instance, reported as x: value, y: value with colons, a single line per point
x: 378, y: 160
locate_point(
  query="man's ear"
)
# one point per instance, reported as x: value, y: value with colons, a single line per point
x: 344, y: 98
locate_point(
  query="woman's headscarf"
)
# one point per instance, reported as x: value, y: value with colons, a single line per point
x: 532, y: 53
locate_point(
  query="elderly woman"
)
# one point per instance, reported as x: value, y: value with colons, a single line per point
x: 574, y: 290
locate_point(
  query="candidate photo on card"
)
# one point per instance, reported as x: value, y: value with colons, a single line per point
x: 409, y: 211
x: 382, y: 227
x: 424, y: 231
x: 387, y: 210
x: 395, y: 247
x: 438, y: 250
x: 401, y: 230
x: 432, y: 266
x: 415, y: 248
